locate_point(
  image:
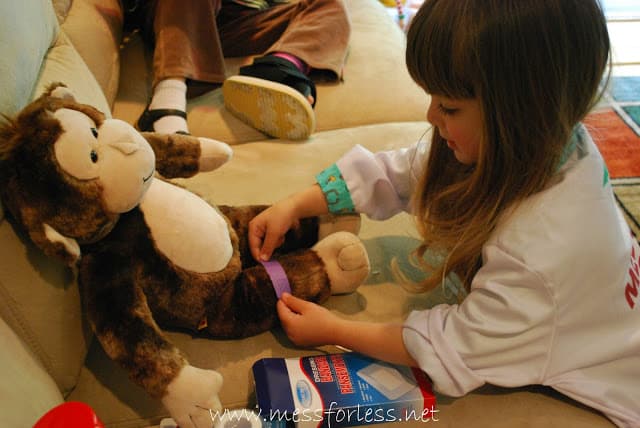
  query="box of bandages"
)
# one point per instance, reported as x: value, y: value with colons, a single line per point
x: 340, y: 390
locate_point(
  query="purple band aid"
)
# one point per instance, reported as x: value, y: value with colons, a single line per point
x: 278, y: 277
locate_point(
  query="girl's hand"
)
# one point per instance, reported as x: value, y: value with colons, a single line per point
x: 267, y: 229
x: 306, y: 323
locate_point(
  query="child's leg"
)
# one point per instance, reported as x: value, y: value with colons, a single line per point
x: 187, y: 43
x: 314, y: 31
x: 166, y: 112
x: 187, y: 48
x: 274, y: 94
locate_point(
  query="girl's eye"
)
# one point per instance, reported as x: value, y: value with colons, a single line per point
x: 447, y: 111
x: 94, y: 156
x: 94, y: 131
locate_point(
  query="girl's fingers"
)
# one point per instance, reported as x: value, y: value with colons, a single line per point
x: 255, y: 242
x: 269, y: 244
x: 284, y: 313
x: 293, y: 303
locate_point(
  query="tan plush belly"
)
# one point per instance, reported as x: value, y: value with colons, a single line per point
x: 186, y: 229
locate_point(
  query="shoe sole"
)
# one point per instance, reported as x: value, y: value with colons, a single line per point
x: 273, y: 108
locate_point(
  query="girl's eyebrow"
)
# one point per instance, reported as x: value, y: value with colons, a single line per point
x: 446, y: 98
x: 450, y: 102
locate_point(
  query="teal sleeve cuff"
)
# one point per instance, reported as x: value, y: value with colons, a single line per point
x: 335, y: 191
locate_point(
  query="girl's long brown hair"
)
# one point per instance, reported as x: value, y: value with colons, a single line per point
x: 535, y: 66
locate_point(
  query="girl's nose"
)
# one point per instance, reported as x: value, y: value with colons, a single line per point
x: 432, y: 114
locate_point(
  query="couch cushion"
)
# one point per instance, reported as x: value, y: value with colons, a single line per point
x: 376, y: 87
x: 27, y: 30
x: 39, y: 299
x: 26, y: 391
x: 94, y: 27
x: 264, y: 172
x: 64, y: 64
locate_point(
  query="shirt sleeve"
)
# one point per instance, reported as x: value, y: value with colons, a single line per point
x: 501, y: 333
x: 379, y: 185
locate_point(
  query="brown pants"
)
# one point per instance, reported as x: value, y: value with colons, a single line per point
x: 192, y: 37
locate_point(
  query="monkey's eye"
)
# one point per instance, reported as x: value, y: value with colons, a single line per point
x: 94, y: 131
x: 94, y: 156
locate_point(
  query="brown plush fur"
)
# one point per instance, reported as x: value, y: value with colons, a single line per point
x: 33, y: 188
x: 174, y: 158
x: 129, y: 288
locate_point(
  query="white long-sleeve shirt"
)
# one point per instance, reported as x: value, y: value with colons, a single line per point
x: 556, y: 300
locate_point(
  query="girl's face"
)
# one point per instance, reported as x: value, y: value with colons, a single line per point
x: 459, y: 121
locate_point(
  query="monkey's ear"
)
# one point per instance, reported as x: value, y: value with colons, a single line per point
x: 60, y: 90
x: 53, y: 243
x: 65, y: 247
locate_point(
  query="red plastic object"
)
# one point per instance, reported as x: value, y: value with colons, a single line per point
x: 73, y: 414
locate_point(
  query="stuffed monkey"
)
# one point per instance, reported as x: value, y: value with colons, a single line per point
x: 93, y: 192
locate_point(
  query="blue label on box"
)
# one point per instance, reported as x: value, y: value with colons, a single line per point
x: 340, y: 390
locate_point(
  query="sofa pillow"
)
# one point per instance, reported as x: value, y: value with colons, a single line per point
x: 28, y: 28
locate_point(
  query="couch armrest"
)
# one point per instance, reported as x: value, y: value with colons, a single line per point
x: 27, y: 391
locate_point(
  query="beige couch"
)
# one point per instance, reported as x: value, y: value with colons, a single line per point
x: 47, y: 354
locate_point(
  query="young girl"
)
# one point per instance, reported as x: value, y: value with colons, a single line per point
x: 513, y: 194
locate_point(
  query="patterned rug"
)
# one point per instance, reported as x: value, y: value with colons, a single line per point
x: 615, y: 125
